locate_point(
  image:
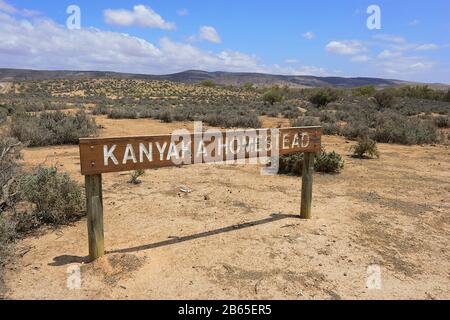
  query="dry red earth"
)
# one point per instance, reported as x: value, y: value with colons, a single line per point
x: 238, y: 235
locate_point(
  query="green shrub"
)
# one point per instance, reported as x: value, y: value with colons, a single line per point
x: 9, y: 154
x: 208, y: 83
x: 3, y: 114
x: 367, y: 91
x: 355, y: 130
x: 322, y: 97
x: 447, y: 96
x: 291, y: 164
x: 385, y: 99
x: 325, y: 162
x: 328, y: 162
x: 123, y: 113
x: 273, y: 95
x: 331, y: 129
x: 57, y: 199
x: 305, y: 122
x: 7, y: 236
x: 420, y: 92
x: 366, y: 147
x: 394, y: 128
x: 100, y: 110
x: 52, y: 128
x: 248, y: 86
x: 165, y: 116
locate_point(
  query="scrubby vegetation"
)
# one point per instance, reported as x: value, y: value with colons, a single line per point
x: 29, y: 200
x: 52, y: 128
x: 385, y: 99
x: 325, y: 162
x: 405, y: 115
x: 3, y: 114
x: 135, y: 175
x: 322, y: 97
x: 56, y: 198
x: 273, y: 95
x: 366, y: 147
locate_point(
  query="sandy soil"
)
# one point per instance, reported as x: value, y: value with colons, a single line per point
x: 238, y: 235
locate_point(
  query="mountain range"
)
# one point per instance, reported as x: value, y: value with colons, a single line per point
x: 220, y: 78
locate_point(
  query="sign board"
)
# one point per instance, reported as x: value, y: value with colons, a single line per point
x: 105, y: 155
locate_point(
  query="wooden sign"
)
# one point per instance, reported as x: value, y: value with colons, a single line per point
x: 106, y: 155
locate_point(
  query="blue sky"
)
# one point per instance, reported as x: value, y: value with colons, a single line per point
x: 322, y: 37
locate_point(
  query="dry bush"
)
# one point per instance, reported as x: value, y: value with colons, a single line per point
x: 442, y: 121
x: 306, y: 122
x: 135, y: 175
x: 325, y: 162
x: 56, y: 198
x: 394, y: 128
x: 3, y: 114
x: 385, y: 99
x: 52, y: 128
x: 366, y: 147
x: 9, y: 170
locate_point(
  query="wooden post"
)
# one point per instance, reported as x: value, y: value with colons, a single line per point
x: 307, y: 185
x: 94, y: 205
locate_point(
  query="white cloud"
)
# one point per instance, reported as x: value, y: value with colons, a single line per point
x: 401, y: 66
x: 183, y: 12
x: 386, y: 54
x: 206, y: 33
x: 8, y: 8
x: 209, y: 34
x: 309, y: 35
x: 414, y: 23
x: 291, y: 61
x: 348, y: 47
x: 43, y: 44
x: 427, y: 47
x: 361, y: 58
x: 141, y: 16
x: 389, y: 38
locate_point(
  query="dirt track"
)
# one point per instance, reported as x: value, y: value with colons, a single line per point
x: 237, y: 234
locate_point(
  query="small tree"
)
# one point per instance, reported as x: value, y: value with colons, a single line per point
x: 385, y: 99
x: 272, y: 96
x: 322, y: 97
x: 368, y: 91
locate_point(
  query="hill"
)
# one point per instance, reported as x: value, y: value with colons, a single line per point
x: 194, y: 76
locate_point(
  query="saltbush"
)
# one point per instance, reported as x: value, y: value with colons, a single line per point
x: 385, y: 99
x: 325, y: 162
x: 366, y: 147
x: 52, y: 128
x: 328, y: 162
x: 394, y: 128
x: 57, y: 199
x: 3, y: 114
x: 442, y: 121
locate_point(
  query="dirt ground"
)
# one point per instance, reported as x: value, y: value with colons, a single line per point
x: 238, y: 235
